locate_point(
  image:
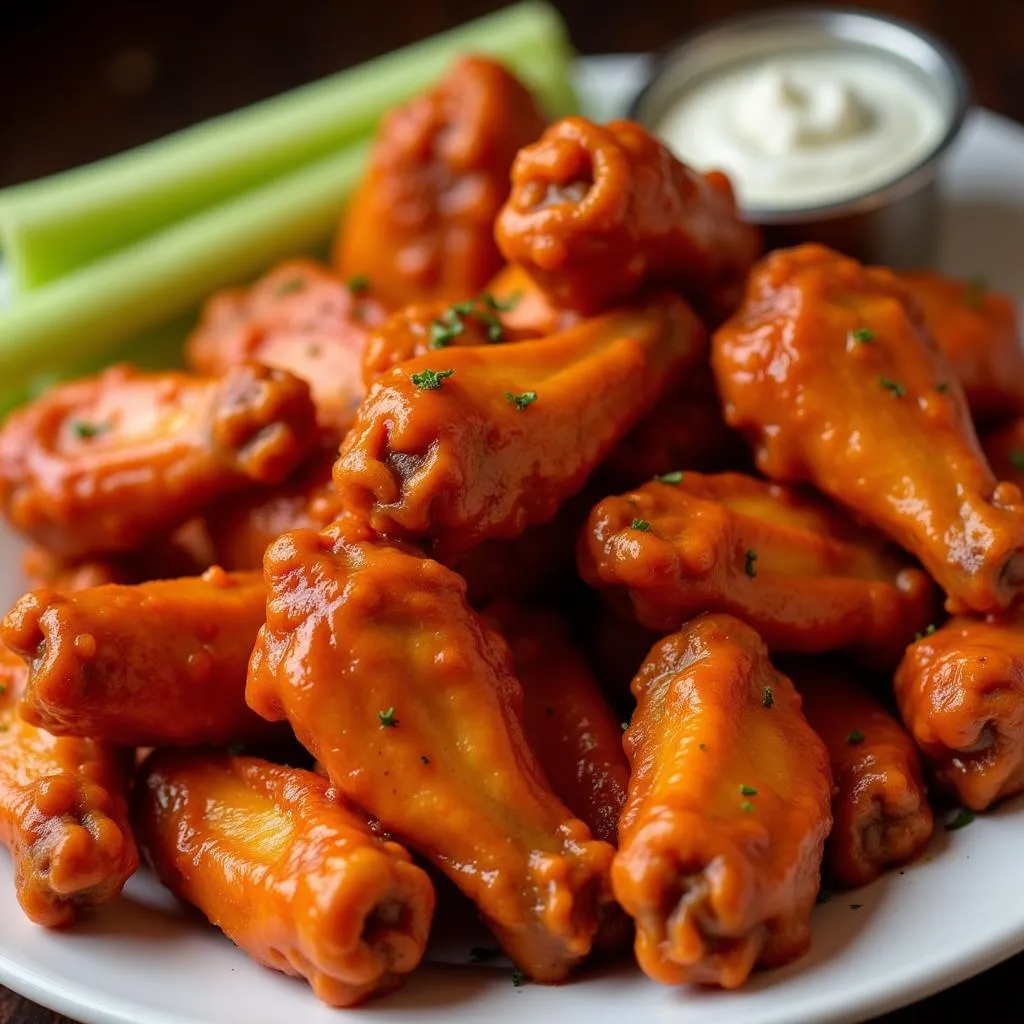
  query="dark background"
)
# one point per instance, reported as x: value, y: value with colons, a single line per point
x: 80, y: 79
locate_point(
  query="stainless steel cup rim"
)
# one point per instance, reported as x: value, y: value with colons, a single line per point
x: 840, y: 24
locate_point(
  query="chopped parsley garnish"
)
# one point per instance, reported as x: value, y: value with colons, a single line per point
x: 86, y: 430
x: 1017, y: 458
x: 928, y: 630
x: 897, y: 389
x: 961, y: 819
x: 431, y: 380
x: 749, y: 567
x: 358, y: 284
x: 642, y: 525
x: 747, y: 807
x: 443, y: 332
x: 747, y: 790
x: 481, y: 954
x: 767, y: 698
x: 502, y: 305
x: 624, y: 725
x: 942, y: 387
x: 521, y: 402
x: 518, y: 977
x: 974, y: 293
x: 702, y: 746
x: 863, y: 335
x: 290, y: 285
x: 387, y: 718
x: 675, y: 477
x: 3, y: 689
x: 854, y: 736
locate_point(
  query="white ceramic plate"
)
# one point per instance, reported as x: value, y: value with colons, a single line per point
x: 145, y: 960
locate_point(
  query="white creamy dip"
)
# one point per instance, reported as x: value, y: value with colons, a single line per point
x: 806, y: 128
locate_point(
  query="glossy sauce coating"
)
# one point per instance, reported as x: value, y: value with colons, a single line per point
x: 977, y: 330
x: 63, y: 812
x: 832, y: 372
x: 783, y: 560
x: 598, y: 210
x: 298, y: 317
x: 720, y: 844
x: 150, y: 664
x: 960, y: 691
x: 409, y: 702
x: 498, y: 443
x: 107, y: 463
x: 569, y: 724
x: 421, y: 224
x: 272, y: 857
x: 529, y: 311
x: 880, y: 811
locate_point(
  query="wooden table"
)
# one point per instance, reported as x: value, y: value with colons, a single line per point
x: 82, y: 79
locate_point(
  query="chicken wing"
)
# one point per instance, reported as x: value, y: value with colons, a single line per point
x: 798, y: 571
x: 960, y: 691
x: 977, y: 330
x: 473, y: 443
x: 598, y: 210
x: 301, y: 318
x: 409, y: 702
x: 294, y: 878
x: 720, y: 844
x: 880, y: 811
x: 527, y: 310
x: 155, y: 664
x: 63, y: 812
x: 832, y: 372
x: 421, y: 224
x: 107, y: 463
x: 569, y: 725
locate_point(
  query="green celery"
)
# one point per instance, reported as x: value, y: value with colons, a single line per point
x: 52, y: 227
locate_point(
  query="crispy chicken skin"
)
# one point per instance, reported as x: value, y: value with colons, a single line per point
x: 720, y: 844
x: 569, y: 724
x: 243, y: 526
x: 598, y: 210
x: 473, y: 443
x: 409, y: 702
x: 880, y: 811
x: 832, y: 372
x: 146, y: 665
x: 63, y: 812
x: 960, y: 691
x: 977, y: 329
x: 106, y: 463
x: 421, y: 224
x: 783, y: 560
x: 301, y: 318
x: 293, y: 877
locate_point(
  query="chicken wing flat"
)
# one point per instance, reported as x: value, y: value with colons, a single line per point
x: 421, y: 224
x: 107, y: 463
x: 301, y: 318
x: 598, y: 210
x: 63, y: 812
x: 832, y: 372
x: 720, y: 844
x: 960, y: 691
x: 977, y: 329
x: 880, y: 811
x: 243, y: 526
x: 570, y: 726
x: 409, y: 702
x: 155, y: 664
x: 797, y: 570
x: 294, y: 878
x: 473, y: 443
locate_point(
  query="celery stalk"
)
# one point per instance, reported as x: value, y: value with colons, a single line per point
x: 90, y: 312
x: 53, y: 226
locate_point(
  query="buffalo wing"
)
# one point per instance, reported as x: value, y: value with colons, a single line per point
x: 472, y: 443
x: 720, y: 844
x: 409, y: 702
x: 832, y: 371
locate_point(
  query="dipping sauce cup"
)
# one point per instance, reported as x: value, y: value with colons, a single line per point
x: 832, y: 124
